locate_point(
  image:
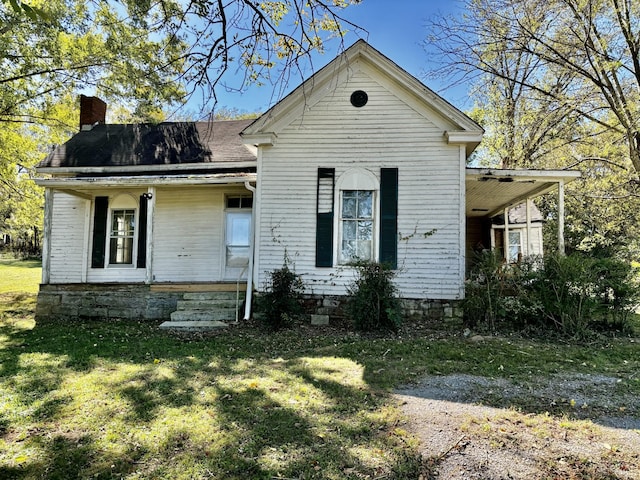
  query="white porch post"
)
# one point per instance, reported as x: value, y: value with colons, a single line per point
x: 529, y: 239
x: 505, y: 240
x: 46, y: 241
x: 151, y: 203
x: 561, y: 248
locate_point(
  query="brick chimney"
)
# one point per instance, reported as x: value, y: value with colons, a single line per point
x: 92, y: 111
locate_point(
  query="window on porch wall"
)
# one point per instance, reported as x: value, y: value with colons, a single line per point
x: 121, y: 237
x: 515, y: 246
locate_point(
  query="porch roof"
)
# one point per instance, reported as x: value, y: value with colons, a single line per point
x: 489, y: 191
x: 80, y: 184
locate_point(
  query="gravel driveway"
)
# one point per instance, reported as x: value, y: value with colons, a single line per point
x: 468, y: 430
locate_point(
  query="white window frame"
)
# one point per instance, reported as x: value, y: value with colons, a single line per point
x: 356, y: 179
x: 120, y: 203
x: 508, y: 245
x: 246, y: 207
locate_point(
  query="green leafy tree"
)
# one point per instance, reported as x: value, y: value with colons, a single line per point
x: 556, y: 85
x: 581, y: 55
x: 144, y: 58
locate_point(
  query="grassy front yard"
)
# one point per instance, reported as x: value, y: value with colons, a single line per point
x: 125, y: 400
x: 19, y: 275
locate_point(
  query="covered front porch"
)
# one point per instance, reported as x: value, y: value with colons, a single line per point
x: 493, y: 192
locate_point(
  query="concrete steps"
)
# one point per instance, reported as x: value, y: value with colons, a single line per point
x: 201, y: 311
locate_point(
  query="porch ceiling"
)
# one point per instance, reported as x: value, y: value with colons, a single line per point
x: 490, y: 191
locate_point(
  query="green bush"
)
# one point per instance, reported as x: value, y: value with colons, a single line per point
x: 566, y: 288
x: 282, y: 301
x: 496, y: 292
x: 581, y: 293
x: 573, y: 295
x: 373, y: 301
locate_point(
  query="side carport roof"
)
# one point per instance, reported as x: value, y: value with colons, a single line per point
x: 490, y: 191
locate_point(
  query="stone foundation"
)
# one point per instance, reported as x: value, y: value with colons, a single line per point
x: 104, y: 302
x: 141, y: 302
x: 413, y: 309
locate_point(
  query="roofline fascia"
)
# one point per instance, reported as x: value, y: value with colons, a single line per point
x: 143, y: 181
x: 541, y: 175
x: 147, y: 168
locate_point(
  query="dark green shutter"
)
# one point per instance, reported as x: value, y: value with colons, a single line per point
x: 389, y: 216
x: 142, y: 233
x: 99, y: 232
x: 324, y: 216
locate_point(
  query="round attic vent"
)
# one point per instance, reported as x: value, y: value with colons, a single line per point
x: 359, y: 98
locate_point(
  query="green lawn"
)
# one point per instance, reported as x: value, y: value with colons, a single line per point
x: 19, y: 275
x: 112, y: 400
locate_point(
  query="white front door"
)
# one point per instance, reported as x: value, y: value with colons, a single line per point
x: 237, y: 237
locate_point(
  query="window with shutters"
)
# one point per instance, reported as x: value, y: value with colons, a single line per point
x: 122, y: 231
x: 123, y: 224
x: 357, y: 225
x: 365, y: 224
x: 357, y: 221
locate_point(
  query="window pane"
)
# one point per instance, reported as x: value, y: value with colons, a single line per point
x: 123, y: 222
x: 365, y: 230
x: 121, y: 250
x: 365, y: 204
x: 349, y: 205
x: 237, y: 256
x: 238, y: 229
x: 349, y: 229
x: 348, y: 252
x: 364, y: 250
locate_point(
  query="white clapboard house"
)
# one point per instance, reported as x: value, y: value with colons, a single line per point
x: 176, y: 221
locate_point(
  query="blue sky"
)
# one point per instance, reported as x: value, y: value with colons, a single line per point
x: 395, y: 27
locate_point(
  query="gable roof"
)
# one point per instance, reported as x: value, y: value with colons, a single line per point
x: 148, y: 147
x: 264, y: 130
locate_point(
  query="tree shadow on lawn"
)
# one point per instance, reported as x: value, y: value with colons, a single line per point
x: 254, y: 433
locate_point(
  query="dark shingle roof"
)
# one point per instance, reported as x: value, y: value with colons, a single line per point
x: 148, y: 144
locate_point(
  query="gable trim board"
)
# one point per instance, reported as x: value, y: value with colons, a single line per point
x: 402, y: 154
x: 362, y: 56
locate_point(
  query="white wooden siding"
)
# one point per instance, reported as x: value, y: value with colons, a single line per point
x: 189, y: 233
x: 68, y: 238
x: 387, y: 132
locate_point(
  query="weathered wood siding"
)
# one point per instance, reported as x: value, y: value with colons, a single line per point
x: 68, y: 238
x: 188, y: 235
x: 188, y: 244
x: 392, y: 130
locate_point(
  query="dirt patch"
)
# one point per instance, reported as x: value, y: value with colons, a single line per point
x: 567, y: 427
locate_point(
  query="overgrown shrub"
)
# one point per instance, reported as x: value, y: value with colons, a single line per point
x: 495, y: 292
x: 580, y: 293
x: 282, y: 301
x: 373, y: 298
x: 572, y: 295
x: 566, y: 287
